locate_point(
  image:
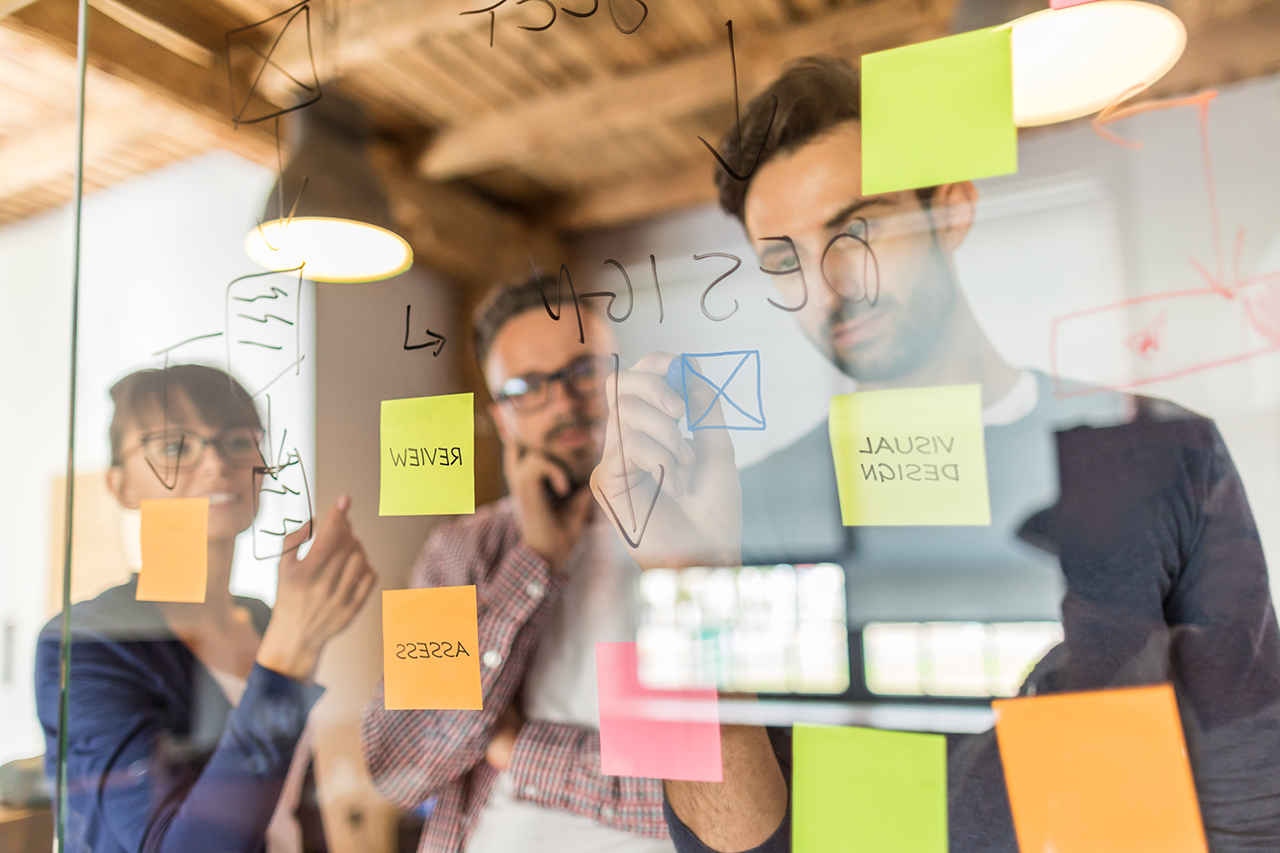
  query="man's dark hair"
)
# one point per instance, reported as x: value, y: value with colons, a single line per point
x: 814, y: 95
x: 511, y: 300
x: 219, y: 400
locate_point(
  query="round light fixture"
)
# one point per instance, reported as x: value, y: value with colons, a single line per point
x: 1071, y: 62
x: 333, y: 249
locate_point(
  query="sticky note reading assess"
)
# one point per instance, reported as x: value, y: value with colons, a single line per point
x: 654, y: 734
x: 430, y: 657
x: 1101, y: 772
x: 175, y: 550
x: 911, y: 456
x: 863, y: 789
x: 427, y: 461
x: 938, y: 112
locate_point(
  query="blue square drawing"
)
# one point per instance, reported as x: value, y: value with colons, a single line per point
x: 734, y: 379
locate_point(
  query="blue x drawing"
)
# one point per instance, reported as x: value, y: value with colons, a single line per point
x: 739, y: 388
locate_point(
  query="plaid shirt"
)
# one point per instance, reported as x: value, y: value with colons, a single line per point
x: 415, y: 755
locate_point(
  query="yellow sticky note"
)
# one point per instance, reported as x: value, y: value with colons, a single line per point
x: 911, y: 456
x: 428, y: 467
x: 175, y: 550
x: 938, y: 112
x: 430, y: 654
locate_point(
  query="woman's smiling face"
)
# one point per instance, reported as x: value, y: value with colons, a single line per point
x: 179, y: 455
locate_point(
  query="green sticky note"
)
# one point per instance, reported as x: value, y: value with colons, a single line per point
x: 938, y: 112
x: 911, y: 456
x: 428, y: 460
x: 868, y: 790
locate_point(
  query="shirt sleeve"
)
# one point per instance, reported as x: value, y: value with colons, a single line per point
x: 1226, y: 648
x: 413, y: 755
x: 557, y: 766
x: 119, y: 739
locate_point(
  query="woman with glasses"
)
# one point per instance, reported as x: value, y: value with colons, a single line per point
x: 184, y: 718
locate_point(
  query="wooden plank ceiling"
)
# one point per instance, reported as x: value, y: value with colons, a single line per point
x: 547, y: 132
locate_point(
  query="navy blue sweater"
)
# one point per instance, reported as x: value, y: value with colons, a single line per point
x: 157, y: 759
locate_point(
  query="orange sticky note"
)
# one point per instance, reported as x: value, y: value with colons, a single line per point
x: 430, y: 649
x: 175, y: 550
x: 1102, y: 772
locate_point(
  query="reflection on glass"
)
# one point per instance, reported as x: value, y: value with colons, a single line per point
x: 954, y: 658
x: 770, y: 629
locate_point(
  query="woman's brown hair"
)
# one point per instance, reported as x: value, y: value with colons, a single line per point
x: 218, y: 398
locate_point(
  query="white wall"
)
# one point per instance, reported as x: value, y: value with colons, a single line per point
x: 158, y: 254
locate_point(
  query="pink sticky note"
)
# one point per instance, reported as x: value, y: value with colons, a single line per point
x: 1063, y: 4
x: 654, y: 734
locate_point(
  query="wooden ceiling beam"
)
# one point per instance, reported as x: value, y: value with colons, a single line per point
x: 126, y: 55
x: 637, y: 198
x: 458, y: 233
x: 373, y: 30
x: 675, y: 90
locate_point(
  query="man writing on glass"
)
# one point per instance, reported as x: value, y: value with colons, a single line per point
x: 551, y: 581
x: 1125, y: 515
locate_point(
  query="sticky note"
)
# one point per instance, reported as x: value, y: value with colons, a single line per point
x: 911, y: 456
x: 1064, y: 4
x: 864, y: 789
x: 938, y: 112
x: 654, y: 734
x: 1101, y: 772
x: 428, y: 467
x: 175, y: 550
x: 430, y: 649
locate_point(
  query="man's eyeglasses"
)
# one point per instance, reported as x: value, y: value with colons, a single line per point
x: 582, y: 378
x: 181, y: 450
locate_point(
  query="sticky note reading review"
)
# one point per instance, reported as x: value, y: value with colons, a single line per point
x: 863, y: 789
x: 175, y: 550
x: 911, y: 456
x: 938, y: 112
x: 428, y: 467
x: 654, y: 734
x: 429, y: 649
x: 1099, y: 772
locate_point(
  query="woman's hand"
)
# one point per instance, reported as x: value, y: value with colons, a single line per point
x: 317, y: 596
x: 697, y: 517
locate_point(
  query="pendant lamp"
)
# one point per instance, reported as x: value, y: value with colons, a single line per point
x: 341, y: 227
x: 1075, y: 61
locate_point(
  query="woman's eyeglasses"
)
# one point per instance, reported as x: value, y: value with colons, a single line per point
x: 181, y: 450
x: 582, y: 378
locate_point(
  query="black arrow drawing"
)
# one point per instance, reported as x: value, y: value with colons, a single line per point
x: 438, y: 341
x: 737, y: 114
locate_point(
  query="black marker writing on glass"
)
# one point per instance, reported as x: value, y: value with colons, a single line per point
x: 738, y: 174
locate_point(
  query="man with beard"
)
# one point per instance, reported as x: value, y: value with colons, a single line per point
x: 1121, y: 517
x: 551, y: 581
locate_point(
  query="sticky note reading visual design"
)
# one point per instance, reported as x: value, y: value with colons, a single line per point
x: 175, y: 550
x: 654, y: 734
x: 1100, y: 772
x: 864, y: 789
x: 430, y: 654
x: 428, y: 466
x: 911, y: 456
x: 938, y: 112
